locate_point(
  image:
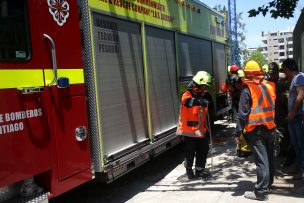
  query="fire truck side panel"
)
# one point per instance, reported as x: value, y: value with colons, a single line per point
x: 67, y: 107
x: 140, y: 54
x: 24, y: 138
x: 162, y: 81
x: 63, y: 117
x: 119, y: 84
x: 75, y: 158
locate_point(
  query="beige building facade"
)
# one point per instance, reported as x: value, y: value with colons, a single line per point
x: 277, y: 45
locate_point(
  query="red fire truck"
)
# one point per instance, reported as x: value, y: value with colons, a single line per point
x: 93, y: 85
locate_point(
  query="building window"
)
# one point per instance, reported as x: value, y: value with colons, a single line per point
x: 281, y: 40
x: 273, y: 34
x: 281, y: 47
x: 282, y: 54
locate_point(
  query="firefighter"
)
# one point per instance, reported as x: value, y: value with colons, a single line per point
x: 234, y: 69
x: 234, y: 85
x: 192, y: 125
x: 256, y: 116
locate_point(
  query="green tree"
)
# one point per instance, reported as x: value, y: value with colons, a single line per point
x: 258, y: 57
x: 277, y: 8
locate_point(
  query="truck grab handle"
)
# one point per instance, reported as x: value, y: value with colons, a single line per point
x: 54, y: 60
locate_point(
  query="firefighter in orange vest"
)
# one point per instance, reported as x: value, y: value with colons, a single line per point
x: 193, y: 125
x: 256, y: 116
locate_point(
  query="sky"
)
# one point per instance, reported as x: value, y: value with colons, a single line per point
x: 255, y: 25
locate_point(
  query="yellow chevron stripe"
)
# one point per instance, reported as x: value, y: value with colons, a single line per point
x: 21, y: 78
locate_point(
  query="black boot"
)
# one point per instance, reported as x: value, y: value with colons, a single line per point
x: 202, y: 174
x: 190, y: 173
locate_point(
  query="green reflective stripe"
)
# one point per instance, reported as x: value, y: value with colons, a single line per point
x: 19, y: 78
x: 75, y: 76
x: 261, y: 120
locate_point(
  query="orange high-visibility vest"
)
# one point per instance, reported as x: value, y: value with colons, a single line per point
x: 192, y: 121
x: 262, y: 112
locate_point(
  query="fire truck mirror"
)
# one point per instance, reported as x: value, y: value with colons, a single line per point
x: 81, y: 133
x: 63, y: 82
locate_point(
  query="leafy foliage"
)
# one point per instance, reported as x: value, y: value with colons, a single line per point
x: 277, y: 8
x: 258, y: 57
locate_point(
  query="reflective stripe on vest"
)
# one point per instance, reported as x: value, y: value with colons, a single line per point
x: 263, y: 105
x: 195, y: 114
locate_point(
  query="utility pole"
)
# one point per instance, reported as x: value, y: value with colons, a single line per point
x: 233, y: 35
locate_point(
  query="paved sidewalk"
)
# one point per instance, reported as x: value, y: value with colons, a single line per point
x: 232, y: 176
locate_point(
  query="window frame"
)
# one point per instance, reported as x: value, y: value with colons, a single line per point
x: 27, y: 36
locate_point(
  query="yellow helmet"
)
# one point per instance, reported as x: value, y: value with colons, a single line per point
x: 252, y: 68
x: 202, y: 78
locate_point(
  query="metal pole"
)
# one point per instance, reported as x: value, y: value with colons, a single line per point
x: 211, y: 142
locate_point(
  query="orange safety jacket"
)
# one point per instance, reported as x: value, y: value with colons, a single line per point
x: 192, y: 121
x: 262, y: 112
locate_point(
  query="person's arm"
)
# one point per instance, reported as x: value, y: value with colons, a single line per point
x: 187, y: 99
x: 243, y: 111
x: 298, y: 102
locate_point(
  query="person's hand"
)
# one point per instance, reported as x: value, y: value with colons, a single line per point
x: 203, y: 102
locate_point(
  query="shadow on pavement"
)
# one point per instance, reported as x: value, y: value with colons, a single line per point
x: 124, y: 188
x: 230, y: 173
